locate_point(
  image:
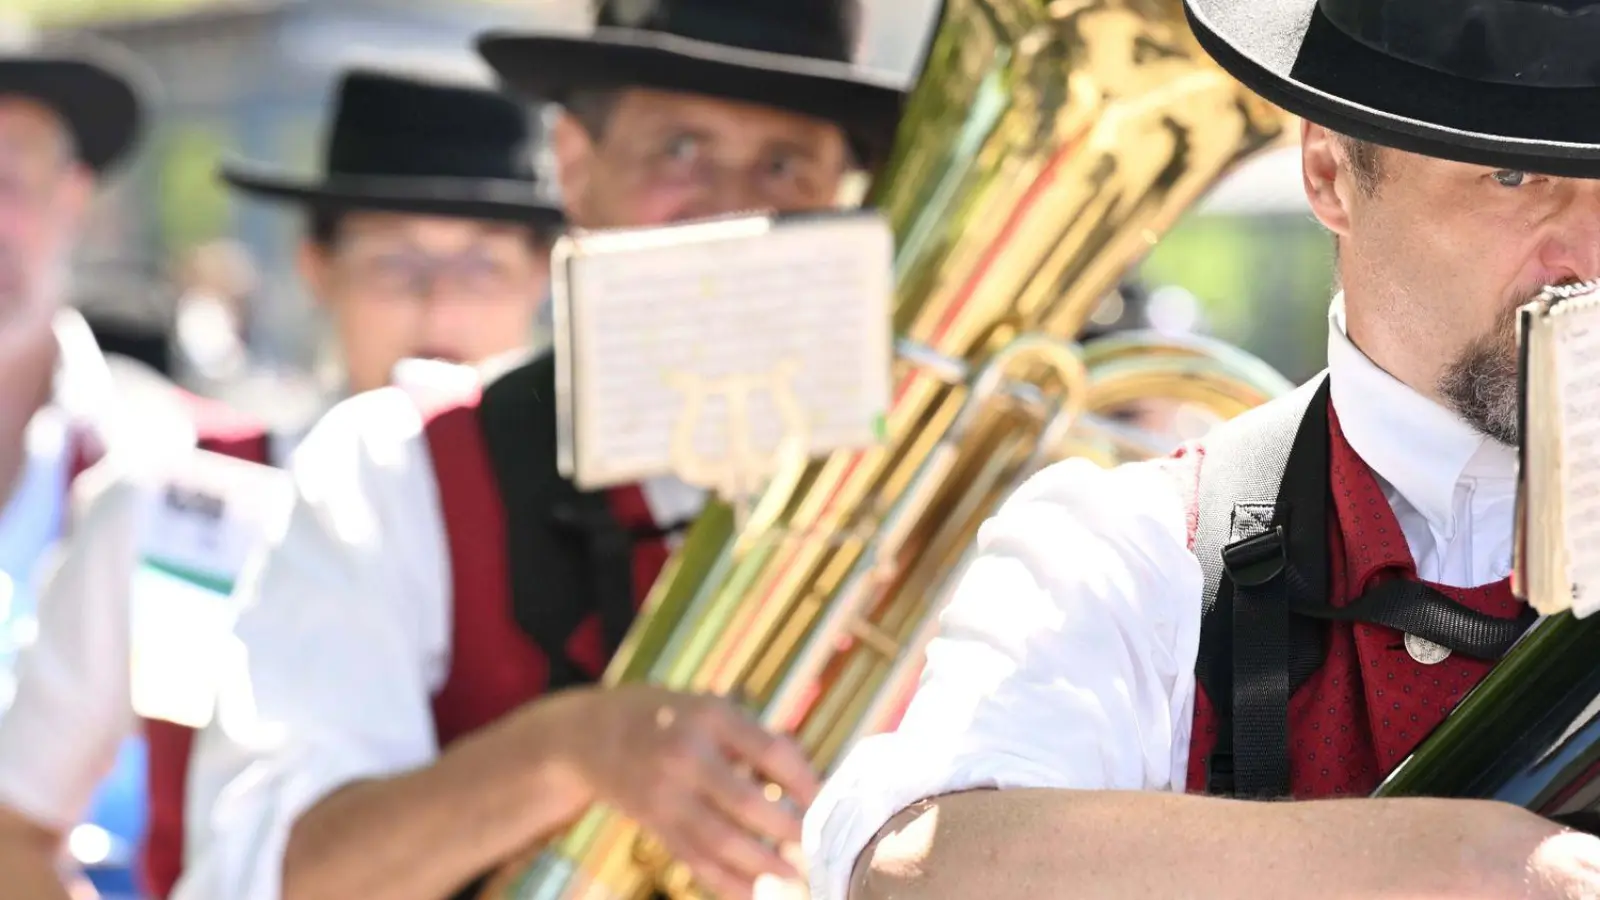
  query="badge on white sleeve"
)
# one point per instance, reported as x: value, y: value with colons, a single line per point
x: 206, y: 524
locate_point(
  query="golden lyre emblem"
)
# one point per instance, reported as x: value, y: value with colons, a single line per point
x: 741, y: 473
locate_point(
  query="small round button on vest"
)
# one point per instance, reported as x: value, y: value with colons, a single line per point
x: 1425, y: 651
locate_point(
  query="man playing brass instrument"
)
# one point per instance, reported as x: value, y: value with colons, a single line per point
x: 439, y: 577
x: 1136, y: 651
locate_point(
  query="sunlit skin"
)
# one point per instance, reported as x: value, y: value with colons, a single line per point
x: 399, y: 286
x: 44, y: 191
x: 1437, y: 258
x: 667, y: 157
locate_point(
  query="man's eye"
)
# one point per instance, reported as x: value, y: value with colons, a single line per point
x: 1510, y: 178
x: 683, y: 147
x: 783, y: 166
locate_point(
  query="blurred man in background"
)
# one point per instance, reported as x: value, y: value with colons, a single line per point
x: 439, y: 576
x: 67, y: 116
x: 428, y: 237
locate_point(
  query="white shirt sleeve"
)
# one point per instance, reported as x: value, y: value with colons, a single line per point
x: 72, y: 707
x: 1065, y: 659
x: 343, y: 640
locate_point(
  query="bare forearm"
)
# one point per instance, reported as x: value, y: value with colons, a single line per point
x: 1025, y: 844
x: 30, y: 875
x: 28, y: 860
x: 424, y: 835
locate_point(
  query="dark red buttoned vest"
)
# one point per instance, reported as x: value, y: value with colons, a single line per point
x: 1358, y: 702
x: 545, y: 579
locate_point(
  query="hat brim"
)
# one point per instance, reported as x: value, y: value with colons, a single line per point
x: 1293, y: 56
x: 866, y: 104
x: 101, y: 108
x: 503, y: 200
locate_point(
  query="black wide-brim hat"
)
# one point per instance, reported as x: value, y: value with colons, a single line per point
x: 1512, y: 84
x: 94, y: 87
x: 794, y: 55
x: 411, y: 144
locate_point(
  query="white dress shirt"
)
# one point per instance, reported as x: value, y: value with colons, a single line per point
x: 74, y: 701
x: 50, y: 762
x: 346, y: 637
x: 1066, y: 656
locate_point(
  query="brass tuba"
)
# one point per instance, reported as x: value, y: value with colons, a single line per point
x: 1044, y: 149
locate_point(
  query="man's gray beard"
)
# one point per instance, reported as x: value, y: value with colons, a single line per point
x: 1482, y: 385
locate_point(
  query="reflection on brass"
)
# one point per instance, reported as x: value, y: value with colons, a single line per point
x: 1045, y: 147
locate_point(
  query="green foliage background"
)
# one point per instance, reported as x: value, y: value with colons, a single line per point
x: 54, y: 12
x: 64, y: 12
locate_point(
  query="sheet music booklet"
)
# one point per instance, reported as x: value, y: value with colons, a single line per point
x: 715, y: 351
x: 1557, y: 546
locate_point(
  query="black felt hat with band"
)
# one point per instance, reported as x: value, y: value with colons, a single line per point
x: 401, y: 143
x: 796, y: 55
x: 1506, y: 83
x: 96, y: 88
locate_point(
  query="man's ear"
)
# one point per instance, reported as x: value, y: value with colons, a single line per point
x: 574, y: 149
x: 315, y: 269
x: 1321, y: 161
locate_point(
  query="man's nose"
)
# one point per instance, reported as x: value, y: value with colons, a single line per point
x: 729, y: 191
x: 1573, y: 248
x: 1574, y: 255
x: 448, y: 316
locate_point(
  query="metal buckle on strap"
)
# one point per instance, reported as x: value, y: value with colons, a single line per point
x: 1255, y: 561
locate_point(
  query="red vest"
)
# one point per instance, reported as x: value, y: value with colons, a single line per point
x: 1370, y: 704
x: 494, y: 666
x: 231, y: 434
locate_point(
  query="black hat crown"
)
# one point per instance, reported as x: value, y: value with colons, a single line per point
x: 407, y: 144
x: 816, y: 29
x: 99, y: 89
x: 1536, y: 43
x: 794, y: 55
x: 386, y: 125
x: 1501, y: 83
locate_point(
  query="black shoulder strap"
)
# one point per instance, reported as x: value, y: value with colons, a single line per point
x: 567, y: 554
x: 1251, y: 523
x: 1262, y: 542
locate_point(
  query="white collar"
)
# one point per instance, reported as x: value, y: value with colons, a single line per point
x: 1422, y: 449
x: 490, y: 370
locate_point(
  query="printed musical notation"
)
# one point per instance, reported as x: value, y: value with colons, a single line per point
x: 1578, y: 384
x: 799, y: 314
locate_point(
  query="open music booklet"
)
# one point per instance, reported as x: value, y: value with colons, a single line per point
x: 704, y: 349
x: 1557, y: 565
